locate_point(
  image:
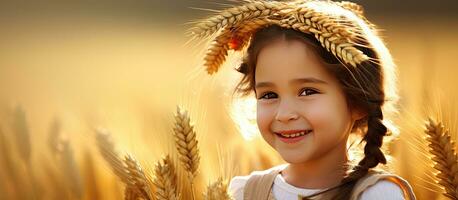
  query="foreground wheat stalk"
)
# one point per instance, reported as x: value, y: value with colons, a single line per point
x: 217, y: 191
x: 165, y: 180
x: 444, y: 156
x: 137, y: 178
x: 186, y: 143
x: 129, y: 171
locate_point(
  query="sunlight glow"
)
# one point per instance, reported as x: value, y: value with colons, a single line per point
x: 243, y: 112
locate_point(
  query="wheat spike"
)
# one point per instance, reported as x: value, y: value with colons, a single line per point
x: 54, y: 135
x: 217, y: 191
x: 137, y: 178
x: 444, y: 156
x: 333, y: 42
x: 218, y: 50
x: 249, y: 27
x: 70, y: 167
x: 186, y: 143
x: 165, y: 180
x: 22, y: 134
x: 108, y: 151
x: 332, y: 35
x: 131, y: 193
x: 232, y: 16
x: 129, y: 171
x: 326, y: 23
x: 357, y: 9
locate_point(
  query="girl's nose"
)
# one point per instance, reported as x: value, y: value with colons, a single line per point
x: 286, y: 112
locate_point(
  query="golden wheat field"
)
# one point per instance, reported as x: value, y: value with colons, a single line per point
x: 97, y: 104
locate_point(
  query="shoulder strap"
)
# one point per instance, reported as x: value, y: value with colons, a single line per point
x: 373, y: 176
x: 259, y: 186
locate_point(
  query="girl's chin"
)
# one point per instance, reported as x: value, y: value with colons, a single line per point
x: 291, y: 159
x: 295, y: 156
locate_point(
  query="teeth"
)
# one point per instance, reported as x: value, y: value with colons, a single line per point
x: 294, y: 135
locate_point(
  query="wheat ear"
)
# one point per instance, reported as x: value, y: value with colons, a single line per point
x: 186, y: 143
x: 334, y: 43
x: 22, y: 135
x: 444, y: 156
x: 358, y: 10
x: 232, y: 16
x: 187, y: 146
x: 218, y: 50
x: 129, y: 171
x: 355, y: 8
x: 332, y: 35
x: 70, y: 167
x: 108, y: 151
x: 217, y: 191
x: 137, y: 178
x: 165, y: 180
x: 131, y: 193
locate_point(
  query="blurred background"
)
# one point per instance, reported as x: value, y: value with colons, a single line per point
x: 67, y: 67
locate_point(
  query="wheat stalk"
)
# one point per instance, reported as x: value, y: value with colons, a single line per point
x: 444, y: 156
x: 186, y: 143
x: 333, y: 36
x: 22, y: 133
x: 357, y: 9
x: 217, y: 191
x: 218, y: 50
x: 165, y: 180
x: 108, y: 151
x: 53, y: 136
x: 137, y: 178
x: 334, y: 43
x: 129, y: 171
x: 324, y: 22
x: 70, y: 168
x: 131, y: 193
x: 232, y: 16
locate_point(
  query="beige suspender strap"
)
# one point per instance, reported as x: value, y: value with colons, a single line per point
x: 258, y: 186
x: 375, y: 176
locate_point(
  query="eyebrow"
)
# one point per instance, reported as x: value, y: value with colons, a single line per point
x: 294, y: 81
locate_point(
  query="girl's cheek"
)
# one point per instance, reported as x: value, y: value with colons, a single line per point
x: 319, y: 114
x: 264, y: 116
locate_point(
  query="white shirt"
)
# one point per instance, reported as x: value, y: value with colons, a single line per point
x: 382, y: 190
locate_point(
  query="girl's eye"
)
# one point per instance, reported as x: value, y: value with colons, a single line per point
x: 268, y: 95
x: 308, y: 91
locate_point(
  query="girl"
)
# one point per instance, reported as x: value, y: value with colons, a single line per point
x: 319, y: 72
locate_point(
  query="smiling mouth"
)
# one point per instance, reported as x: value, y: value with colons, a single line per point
x: 293, y: 135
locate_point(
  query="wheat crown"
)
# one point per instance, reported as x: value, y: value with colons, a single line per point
x: 338, y: 26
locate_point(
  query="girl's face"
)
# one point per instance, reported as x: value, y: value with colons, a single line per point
x: 301, y: 109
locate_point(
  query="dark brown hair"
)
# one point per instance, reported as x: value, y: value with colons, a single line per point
x: 362, y: 86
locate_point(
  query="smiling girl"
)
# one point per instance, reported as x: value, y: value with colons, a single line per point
x: 319, y: 72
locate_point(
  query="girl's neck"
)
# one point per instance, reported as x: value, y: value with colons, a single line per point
x: 323, y: 172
